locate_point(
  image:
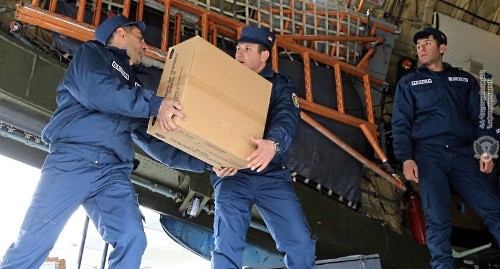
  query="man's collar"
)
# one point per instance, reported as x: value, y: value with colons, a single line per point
x: 424, y: 67
x: 267, y: 72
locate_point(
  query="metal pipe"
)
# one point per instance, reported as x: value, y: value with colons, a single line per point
x: 153, y: 187
x: 104, y: 256
x: 380, y: 154
x: 23, y: 138
x: 170, y: 194
x: 82, y: 244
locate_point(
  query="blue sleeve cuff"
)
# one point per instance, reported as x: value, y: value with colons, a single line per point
x: 154, y: 105
x: 405, y: 157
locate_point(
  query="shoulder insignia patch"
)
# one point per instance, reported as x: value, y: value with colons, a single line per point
x: 295, y: 100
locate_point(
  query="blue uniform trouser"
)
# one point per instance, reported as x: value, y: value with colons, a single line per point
x: 101, y: 184
x: 279, y: 207
x: 442, y: 166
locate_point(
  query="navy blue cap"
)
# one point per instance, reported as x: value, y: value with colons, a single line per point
x: 253, y: 34
x: 106, y: 29
x: 438, y: 35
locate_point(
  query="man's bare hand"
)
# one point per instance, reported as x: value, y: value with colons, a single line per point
x: 262, y: 156
x: 168, y: 110
x: 225, y: 171
x: 410, y: 170
x: 486, y: 167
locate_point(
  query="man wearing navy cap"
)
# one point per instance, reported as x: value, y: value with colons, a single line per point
x: 102, y: 109
x: 436, y: 119
x: 429, y: 31
x: 265, y: 183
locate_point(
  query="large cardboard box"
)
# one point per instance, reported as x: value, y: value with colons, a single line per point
x: 224, y: 101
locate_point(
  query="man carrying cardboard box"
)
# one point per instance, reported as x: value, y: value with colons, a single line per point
x: 265, y: 183
x: 101, y: 109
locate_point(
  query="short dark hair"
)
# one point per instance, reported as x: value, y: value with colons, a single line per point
x: 439, y: 41
x: 265, y: 48
x: 126, y: 28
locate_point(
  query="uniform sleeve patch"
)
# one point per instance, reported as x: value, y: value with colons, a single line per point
x: 295, y: 100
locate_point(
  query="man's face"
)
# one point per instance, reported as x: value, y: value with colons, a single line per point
x: 135, y: 45
x: 251, y: 56
x: 428, y: 50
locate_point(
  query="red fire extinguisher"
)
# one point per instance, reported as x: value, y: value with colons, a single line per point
x: 416, y: 216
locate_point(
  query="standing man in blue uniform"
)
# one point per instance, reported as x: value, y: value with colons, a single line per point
x: 435, y: 121
x: 265, y: 183
x: 101, y: 109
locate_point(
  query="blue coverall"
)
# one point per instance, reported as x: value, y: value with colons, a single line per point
x: 435, y: 121
x: 101, y: 109
x: 271, y: 191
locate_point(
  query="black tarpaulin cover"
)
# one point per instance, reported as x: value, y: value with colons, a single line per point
x: 313, y: 155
